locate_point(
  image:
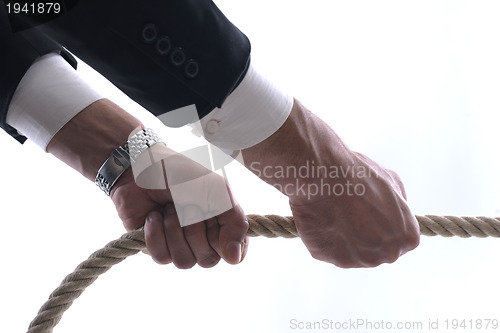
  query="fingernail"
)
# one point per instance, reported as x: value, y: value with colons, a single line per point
x: 234, y: 250
x: 245, y: 249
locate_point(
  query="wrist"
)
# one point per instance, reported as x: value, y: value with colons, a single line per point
x: 87, y: 141
x: 298, y: 154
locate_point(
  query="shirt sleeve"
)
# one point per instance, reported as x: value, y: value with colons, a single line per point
x: 50, y: 94
x: 252, y: 112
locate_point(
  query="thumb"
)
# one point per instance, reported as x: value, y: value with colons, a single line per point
x: 233, y: 227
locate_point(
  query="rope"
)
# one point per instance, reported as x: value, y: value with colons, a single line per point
x: 270, y: 226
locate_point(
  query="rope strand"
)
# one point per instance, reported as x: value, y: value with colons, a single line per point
x: 270, y: 226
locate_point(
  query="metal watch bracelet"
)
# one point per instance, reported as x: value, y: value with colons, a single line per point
x: 122, y: 157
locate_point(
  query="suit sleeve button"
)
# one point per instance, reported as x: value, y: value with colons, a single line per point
x: 149, y: 33
x: 163, y: 45
x: 177, y: 57
x: 212, y: 126
x: 191, y: 69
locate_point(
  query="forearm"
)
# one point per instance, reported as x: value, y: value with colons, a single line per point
x: 86, y: 141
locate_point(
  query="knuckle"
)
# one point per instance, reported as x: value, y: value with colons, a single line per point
x: 209, y: 261
x: 316, y: 255
x: 413, y: 239
x: 184, y: 261
x: 129, y: 225
x: 162, y: 259
x: 372, y: 260
x: 387, y: 252
x: 347, y: 264
x: 184, y: 264
x: 391, y: 255
x: 341, y: 261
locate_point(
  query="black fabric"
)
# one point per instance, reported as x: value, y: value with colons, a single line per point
x: 26, y: 14
x: 17, y: 53
x: 207, y: 56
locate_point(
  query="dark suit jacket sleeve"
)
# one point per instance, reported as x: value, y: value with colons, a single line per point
x: 18, y: 51
x: 163, y: 54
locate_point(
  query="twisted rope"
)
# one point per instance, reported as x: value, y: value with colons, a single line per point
x: 270, y: 226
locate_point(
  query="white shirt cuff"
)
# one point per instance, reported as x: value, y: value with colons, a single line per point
x: 50, y: 94
x: 251, y: 113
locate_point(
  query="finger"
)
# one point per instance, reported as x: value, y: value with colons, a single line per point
x: 155, y: 239
x: 212, y: 227
x: 181, y: 253
x: 233, y: 228
x: 196, y: 236
x: 246, y: 242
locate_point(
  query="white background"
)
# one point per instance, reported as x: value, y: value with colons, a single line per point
x: 414, y: 85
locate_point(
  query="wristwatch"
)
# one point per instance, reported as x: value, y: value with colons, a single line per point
x: 122, y: 157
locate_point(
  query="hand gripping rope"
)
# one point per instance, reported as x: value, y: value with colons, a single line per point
x: 270, y: 226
